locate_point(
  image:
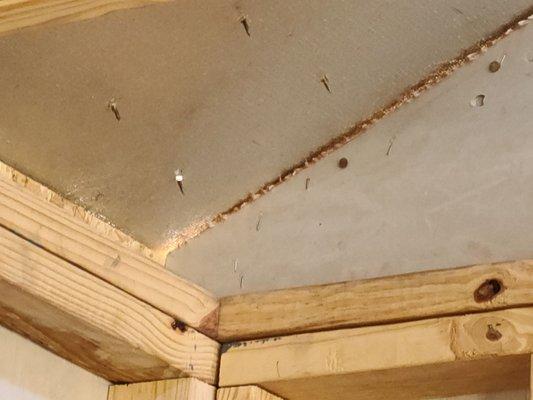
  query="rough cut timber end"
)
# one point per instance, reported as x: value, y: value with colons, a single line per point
x: 39, y: 220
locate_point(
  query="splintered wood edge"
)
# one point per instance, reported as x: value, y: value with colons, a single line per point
x: 92, y: 323
x: 391, y: 299
x: 45, y: 219
x: 367, y: 350
x: 19, y: 14
x: 170, y: 389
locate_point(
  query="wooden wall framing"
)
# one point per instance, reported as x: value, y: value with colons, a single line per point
x: 377, y: 301
x: 428, y: 334
x: 186, y: 389
x: 476, y: 353
x: 245, y: 393
x: 117, y: 313
x: 171, y: 389
x: 48, y: 226
x: 92, y: 323
x: 94, y: 301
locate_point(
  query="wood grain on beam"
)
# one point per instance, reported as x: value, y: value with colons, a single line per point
x: 84, y: 216
x: 245, y: 393
x: 376, y: 301
x: 170, y: 389
x: 92, y: 323
x: 60, y: 233
x: 449, y: 356
x: 18, y: 14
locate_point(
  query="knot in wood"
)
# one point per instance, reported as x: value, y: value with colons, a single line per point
x: 488, y: 290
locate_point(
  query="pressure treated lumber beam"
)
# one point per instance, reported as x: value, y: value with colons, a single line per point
x: 377, y: 301
x: 50, y: 227
x: 170, y: 389
x: 18, y: 14
x: 448, y: 356
x: 92, y: 323
x: 245, y: 393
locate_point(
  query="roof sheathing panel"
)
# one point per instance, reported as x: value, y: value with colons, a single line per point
x: 441, y: 182
x: 196, y: 92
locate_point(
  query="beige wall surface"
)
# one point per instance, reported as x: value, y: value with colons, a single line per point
x: 28, y: 372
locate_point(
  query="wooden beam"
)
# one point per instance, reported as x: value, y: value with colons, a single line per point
x: 450, y: 356
x: 18, y: 14
x: 377, y: 301
x: 171, y: 389
x: 531, y: 378
x: 86, y: 217
x: 92, y: 323
x: 59, y: 232
x: 245, y: 393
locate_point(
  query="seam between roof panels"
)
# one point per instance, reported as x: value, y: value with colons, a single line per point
x: 437, y: 75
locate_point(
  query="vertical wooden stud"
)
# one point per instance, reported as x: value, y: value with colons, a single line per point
x: 170, y: 389
x: 245, y: 393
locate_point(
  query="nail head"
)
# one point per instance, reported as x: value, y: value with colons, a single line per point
x: 494, y: 66
x: 343, y: 162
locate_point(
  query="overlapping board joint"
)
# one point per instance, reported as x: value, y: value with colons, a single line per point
x: 448, y: 332
x: 430, y: 334
x: 94, y: 301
